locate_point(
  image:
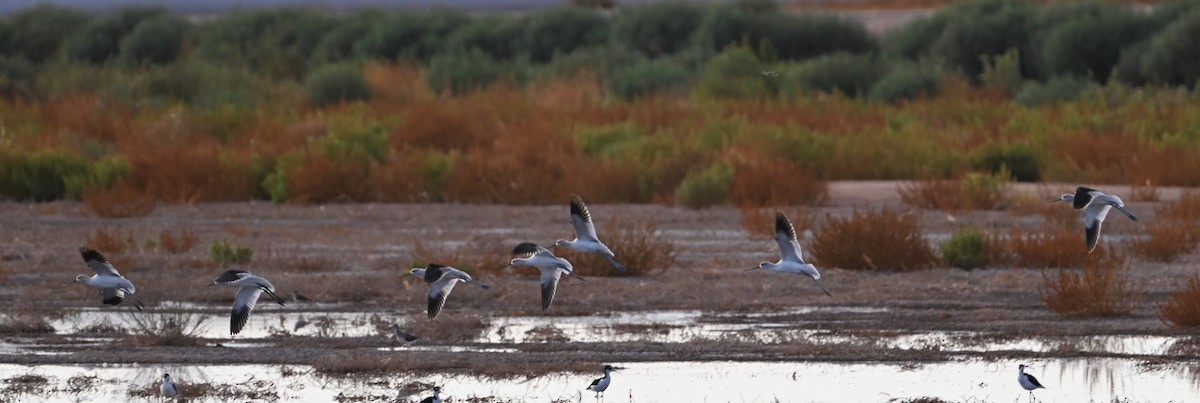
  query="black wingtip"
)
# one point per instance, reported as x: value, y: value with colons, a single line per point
x: 90, y: 254
x: 782, y: 224
x: 525, y: 248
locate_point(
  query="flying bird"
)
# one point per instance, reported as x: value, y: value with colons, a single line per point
x: 1027, y: 381
x: 552, y: 267
x: 585, y: 234
x: 791, y: 259
x: 441, y: 280
x: 250, y: 287
x: 114, y: 287
x: 1095, y: 205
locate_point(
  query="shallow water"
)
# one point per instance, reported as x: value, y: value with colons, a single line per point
x: 1072, y: 380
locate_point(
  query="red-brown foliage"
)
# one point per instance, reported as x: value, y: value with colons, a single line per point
x: 1174, y: 232
x: 876, y: 240
x: 110, y: 241
x: 320, y: 179
x: 1051, y: 246
x: 759, y: 222
x: 759, y: 183
x: 1102, y: 287
x: 970, y: 192
x: 121, y: 200
x: 176, y: 242
x: 1182, y: 308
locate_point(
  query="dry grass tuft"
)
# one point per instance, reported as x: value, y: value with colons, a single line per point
x: 640, y: 247
x: 874, y: 240
x: 756, y: 183
x: 176, y: 242
x: 1175, y: 232
x: 121, y: 200
x: 166, y: 329
x: 24, y: 321
x: 25, y: 384
x: 1146, y: 192
x: 1051, y: 246
x: 359, y: 362
x: 973, y: 191
x: 251, y: 390
x: 476, y: 256
x: 1182, y: 308
x: 111, y: 242
x: 1101, y: 288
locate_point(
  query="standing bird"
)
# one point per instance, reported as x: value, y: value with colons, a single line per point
x: 791, y: 259
x: 401, y: 336
x: 1095, y: 205
x: 1028, y: 381
x: 114, y: 287
x: 585, y: 234
x: 249, y: 288
x: 600, y: 384
x: 437, y: 396
x: 168, y: 387
x: 531, y: 254
x: 441, y: 280
x: 297, y: 297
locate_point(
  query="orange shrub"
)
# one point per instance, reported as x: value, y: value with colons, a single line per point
x: 1101, y: 288
x: 872, y: 240
x: 110, y: 242
x: 970, y: 192
x: 1182, y: 308
x: 320, y: 179
x: 1051, y: 246
x: 762, y: 183
x: 121, y: 200
x: 177, y: 242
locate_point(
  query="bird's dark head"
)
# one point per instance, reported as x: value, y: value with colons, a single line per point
x: 166, y: 376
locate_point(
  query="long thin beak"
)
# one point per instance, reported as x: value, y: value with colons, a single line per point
x: 752, y: 268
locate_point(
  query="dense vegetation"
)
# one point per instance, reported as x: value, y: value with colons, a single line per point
x: 669, y: 102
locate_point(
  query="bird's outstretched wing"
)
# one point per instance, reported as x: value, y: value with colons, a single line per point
x: 581, y: 219
x: 785, y: 235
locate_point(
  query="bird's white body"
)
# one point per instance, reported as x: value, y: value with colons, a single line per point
x: 113, y: 285
x: 1095, y: 205
x: 250, y: 287
x: 552, y: 268
x: 441, y: 280
x: 791, y: 259
x: 436, y: 398
x: 585, y: 234
x: 601, y: 384
x: 168, y: 387
x: 1028, y: 382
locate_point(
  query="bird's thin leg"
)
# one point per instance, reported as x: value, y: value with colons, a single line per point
x: 822, y: 287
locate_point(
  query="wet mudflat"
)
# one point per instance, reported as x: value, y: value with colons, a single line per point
x: 703, y: 330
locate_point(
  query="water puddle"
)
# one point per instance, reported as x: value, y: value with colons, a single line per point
x: 1067, y: 380
x: 215, y: 324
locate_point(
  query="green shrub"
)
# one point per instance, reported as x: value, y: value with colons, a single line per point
x: 193, y: 82
x: 708, y: 187
x: 272, y: 42
x: 1086, y: 38
x: 463, y: 71
x: 336, y: 83
x: 913, y: 40
x: 906, y: 81
x: 560, y: 31
x: 498, y: 36
x: 657, y: 29
x: 42, y: 175
x: 1021, y: 161
x: 225, y: 252
x: 1129, y: 68
x: 156, y: 40
x: 1174, y: 54
x: 17, y: 77
x: 965, y: 249
x: 1056, y: 89
x: 436, y: 169
x: 337, y: 44
x: 369, y: 144
x: 849, y: 74
x: 792, y: 36
x: 605, y: 61
x: 102, y: 174
x: 735, y: 73
x: 100, y: 40
x: 612, y: 141
x: 37, y: 32
x: 1003, y: 72
x: 410, y: 36
x: 647, y: 77
x: 971, y: 31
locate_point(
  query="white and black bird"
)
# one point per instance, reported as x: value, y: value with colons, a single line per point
x: 1027, y: 381
x: 297, y: 297
x: 401, y: 336
x: 250, y: 287
x: 441, y: 280
x: 601, y: 384
x: 437, y: 396
x: 168, y: 388
x: 114, y: 287
x: 585, y: 234
x: 1095, y: 205
x: 552, y: 267
x: 791, y: 259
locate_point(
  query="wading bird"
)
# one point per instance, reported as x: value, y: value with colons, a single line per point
x: 401, y: 336
x: 601, y: 384
x: 1095, y: 205
x: 250, y: 287
x: 791, y: 259
x: 168, y: 387
x: 1027, y: 381
x: 114, y: 287
x: 531, y: 254
x: 441, y: 280
x: 297, y: 297
x: 585, y: 234
x: 437, y: 396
